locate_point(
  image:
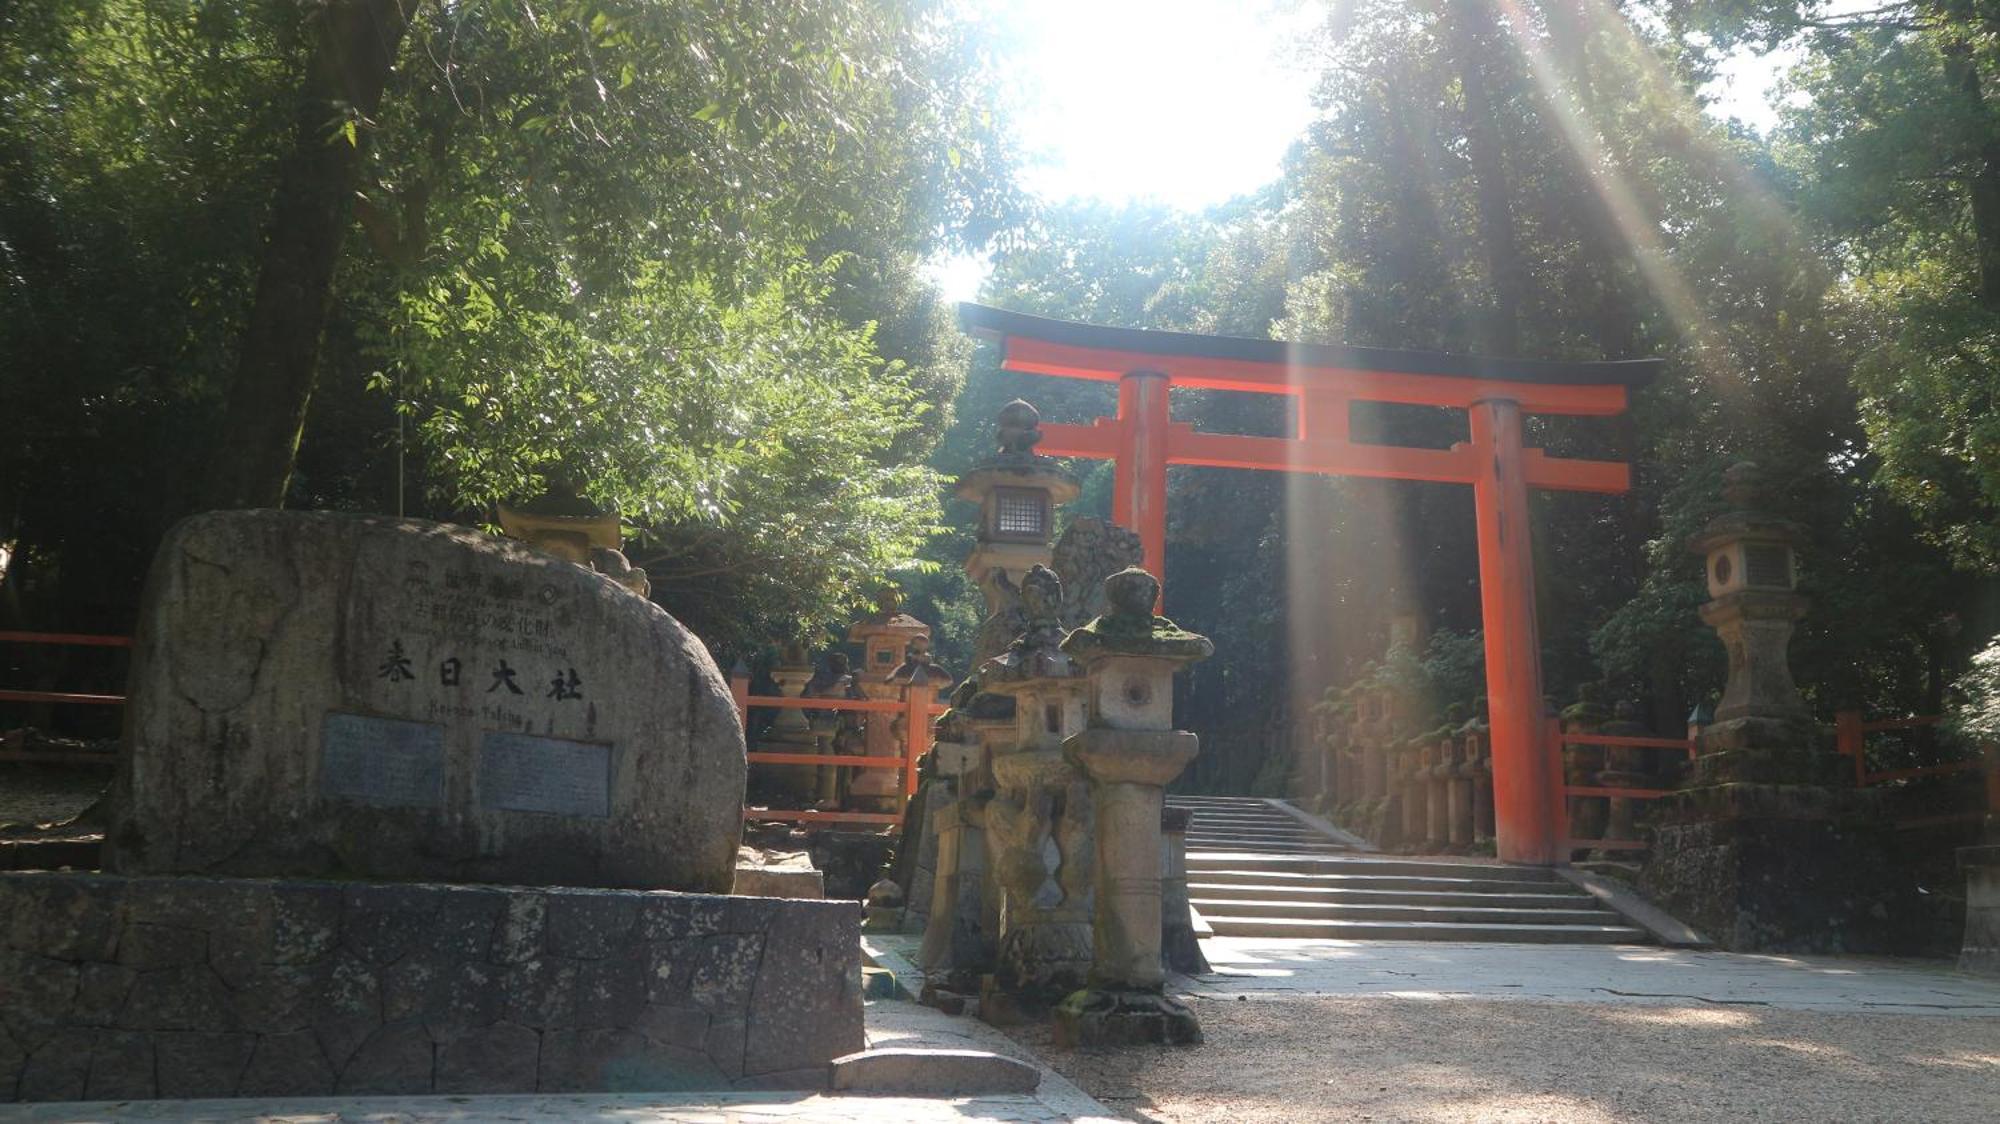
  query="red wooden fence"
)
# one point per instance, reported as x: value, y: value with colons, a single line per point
x: 917, y: 709
x: 63, y: 698
x: 1559, y: 742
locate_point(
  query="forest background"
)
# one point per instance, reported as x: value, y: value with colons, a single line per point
x: 417, y: 257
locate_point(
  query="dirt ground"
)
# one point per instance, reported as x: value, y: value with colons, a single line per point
x: 1369, y: 1059
x: 38, y: 794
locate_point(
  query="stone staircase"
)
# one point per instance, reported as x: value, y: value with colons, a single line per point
x: 1255, y: 870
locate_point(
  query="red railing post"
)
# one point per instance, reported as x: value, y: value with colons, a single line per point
x: 1552, y: 733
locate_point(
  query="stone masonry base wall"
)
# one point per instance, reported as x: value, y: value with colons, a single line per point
x: 117, y: 988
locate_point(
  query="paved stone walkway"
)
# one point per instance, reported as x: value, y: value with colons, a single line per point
x: 891, y: 1023
x: 1590, y: 974
x: 690, y: 1108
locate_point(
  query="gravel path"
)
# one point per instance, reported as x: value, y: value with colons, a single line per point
x: 1374, y: 1059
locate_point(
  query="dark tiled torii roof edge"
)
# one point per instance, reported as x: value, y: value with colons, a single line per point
x: 997, y: 323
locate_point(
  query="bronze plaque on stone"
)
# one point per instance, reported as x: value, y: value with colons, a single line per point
x: 525, y: 773
x: 382, y: 761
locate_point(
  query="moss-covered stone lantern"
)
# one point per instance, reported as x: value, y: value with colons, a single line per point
x: 1039, y: 817
x: 1130, y: 751
x: 1017, y: 491
x: 1751, y: 560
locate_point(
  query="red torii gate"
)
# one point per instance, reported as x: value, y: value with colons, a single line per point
x: 1495, y: 393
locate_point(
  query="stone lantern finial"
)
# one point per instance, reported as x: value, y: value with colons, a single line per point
x: 1020, y: 428
x: 1745, y: 487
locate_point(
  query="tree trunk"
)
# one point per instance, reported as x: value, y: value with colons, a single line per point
x: 1615, y: 321
x: 356, y: 42
x: 1469, y: 27
x: 1983, y: 187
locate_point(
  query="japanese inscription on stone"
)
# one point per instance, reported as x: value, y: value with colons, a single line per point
x: 382, y: 761
x: 525, y: 773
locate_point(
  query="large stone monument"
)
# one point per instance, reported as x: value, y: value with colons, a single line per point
x: 1129, y: 750
x: 328, y: 695
x: 1767, y: 848
x: 354, y: 712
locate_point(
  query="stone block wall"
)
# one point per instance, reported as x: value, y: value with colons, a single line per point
x: 117, y: 988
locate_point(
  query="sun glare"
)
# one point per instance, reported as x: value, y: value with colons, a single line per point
x: 1187, y: 102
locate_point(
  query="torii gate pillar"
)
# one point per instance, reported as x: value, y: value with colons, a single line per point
x: 1139, y: 475
x: 1524, y: 795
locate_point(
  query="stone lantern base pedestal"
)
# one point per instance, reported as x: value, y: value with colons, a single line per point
x: 1766, y: 867
x: 1980, y: 952
x: 1114, y: 1017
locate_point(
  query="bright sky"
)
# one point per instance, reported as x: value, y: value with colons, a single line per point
x: 1188, y: 102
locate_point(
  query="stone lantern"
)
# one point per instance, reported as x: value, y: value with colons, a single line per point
x: 1017, y: 491
x: 790, y: 731
x: 1130, y: 751
x: 1039, y: 819
x: 884, y: 636
x: 1751, y: 562
x: 1766, y: 848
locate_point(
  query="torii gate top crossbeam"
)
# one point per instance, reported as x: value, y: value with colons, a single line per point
x: 1065, y: 348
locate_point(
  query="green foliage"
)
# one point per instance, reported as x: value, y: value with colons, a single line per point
x: 670, y: 250
x: 1975, y: 698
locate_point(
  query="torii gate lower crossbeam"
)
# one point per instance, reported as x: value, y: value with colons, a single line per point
x: 1496, y: 395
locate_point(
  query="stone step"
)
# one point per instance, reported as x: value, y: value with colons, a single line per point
x: 1203, y: 827
x: 1209, y: 825
x: 79, y: 852
x: 1359, y: 864
x: 1244, y: 823
x: 1225, y: 847
x: 1250, y: 835
x: 1231, y: 926
x: 1315, y: 892
x: 1295, y: 827
x: 1346, y: 911
x: 1229, y: 876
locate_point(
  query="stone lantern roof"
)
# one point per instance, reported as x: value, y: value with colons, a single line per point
x: 1015, y: 462
x: 563, y: 522
x: 888, y: 619
x: 1750, y: 518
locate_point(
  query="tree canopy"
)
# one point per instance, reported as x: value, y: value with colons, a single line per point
x: 668, y: 250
